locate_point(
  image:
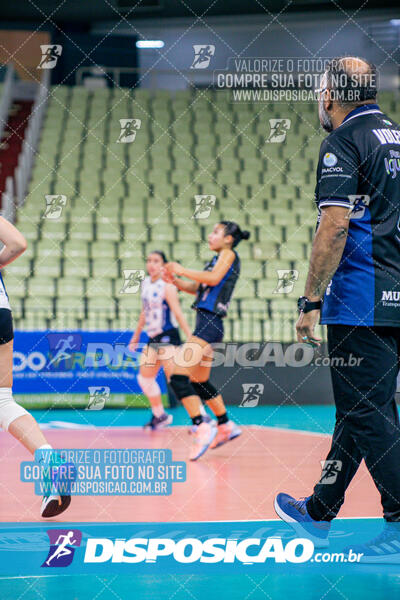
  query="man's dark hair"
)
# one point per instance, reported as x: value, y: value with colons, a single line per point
x: 351, y: 83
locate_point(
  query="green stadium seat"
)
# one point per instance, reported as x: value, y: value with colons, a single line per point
x: 42, y: 306
x: 71, y: 305
x: 15, y: 286
x: 75, y: 249
x: 70, y: 286
x: 80, y: 231
x: 49, y: 266
x: 76, y: 267
x: 100, y: 288
x: 124, y: 200
x: 105, y: 268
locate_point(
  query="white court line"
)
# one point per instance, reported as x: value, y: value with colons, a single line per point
x: 64, y: 425
x: 43, y: 576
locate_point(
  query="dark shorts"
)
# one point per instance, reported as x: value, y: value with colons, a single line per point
x: 209, y: 327
x: 6, y: 326
x: 166, y: 338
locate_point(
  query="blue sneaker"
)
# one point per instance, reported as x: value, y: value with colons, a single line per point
x: 385, y: 548
x: 295, y: 513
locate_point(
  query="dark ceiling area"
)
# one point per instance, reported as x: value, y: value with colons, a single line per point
x: 99, y: 10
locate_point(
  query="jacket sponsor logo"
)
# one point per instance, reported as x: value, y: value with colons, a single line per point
x: 387, y: 136
x: 392, y: 166
x: 329, y: 159
x: 390, y: 296
x: 191, y: 550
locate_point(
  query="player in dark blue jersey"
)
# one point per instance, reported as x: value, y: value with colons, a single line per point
x: 213, y: 289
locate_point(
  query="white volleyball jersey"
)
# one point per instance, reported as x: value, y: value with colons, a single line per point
x: 159, y: 317
x: 4, y: 302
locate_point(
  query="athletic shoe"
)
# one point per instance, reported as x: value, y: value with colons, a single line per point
x: 385, y: 548
x: 53, y: 505
x: 61, y: 475
x: 156, y: 423
x: 295, y: 513
x: 206, y: 419
x: 202, y: 439
x: 226, y: 432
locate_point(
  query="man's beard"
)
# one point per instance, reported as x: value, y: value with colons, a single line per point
x: 324, y: 118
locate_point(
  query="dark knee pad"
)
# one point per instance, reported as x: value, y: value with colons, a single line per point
x: 205, y: 390
x: 182, y: 386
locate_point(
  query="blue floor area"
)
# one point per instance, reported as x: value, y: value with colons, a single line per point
x: 178, y: 587
x: 317, y: 419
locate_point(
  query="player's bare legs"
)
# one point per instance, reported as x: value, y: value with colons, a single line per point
x: 194, y: 361
x: 24, y: 428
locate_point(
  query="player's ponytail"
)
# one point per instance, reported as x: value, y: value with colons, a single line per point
x: 233, y: 229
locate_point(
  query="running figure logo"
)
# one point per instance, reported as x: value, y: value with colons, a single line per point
x: 204, y: 204
x: 54, y: 206
x: 286, y: 280
x: 202, y: 56
x: 50, y: 56
x: 330, y: 471
x: 132, y: 281
x: 279, y: 129
x: 98, y: 395
x: 62, y: 346
x: 129, y: 128
x: 63, y: 543
x: 252, y: 393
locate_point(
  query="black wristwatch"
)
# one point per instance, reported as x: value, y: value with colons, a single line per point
x: 305, y: 305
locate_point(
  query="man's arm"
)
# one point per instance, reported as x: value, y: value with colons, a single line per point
x: 326, y: 253
x: 327, y: 250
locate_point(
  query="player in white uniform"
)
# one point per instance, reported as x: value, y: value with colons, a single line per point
x: 13, y: 417
x: 160, y: 316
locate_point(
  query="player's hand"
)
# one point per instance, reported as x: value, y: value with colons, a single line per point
x: 133, y: 345
x: 305, y: 328
x: 174, y: 268
x: 167, y: 276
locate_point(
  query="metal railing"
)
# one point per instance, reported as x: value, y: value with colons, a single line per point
x: 15, y: 189
x: 6, y: 97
